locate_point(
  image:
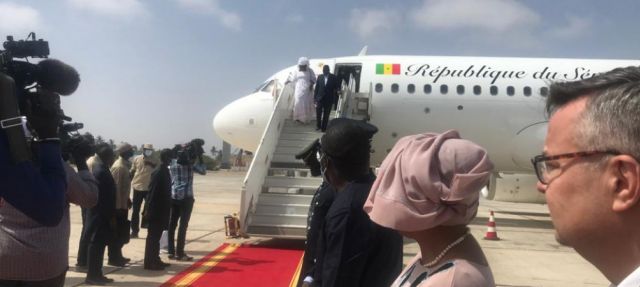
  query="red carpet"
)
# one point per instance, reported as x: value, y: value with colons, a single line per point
x: 233, y: 265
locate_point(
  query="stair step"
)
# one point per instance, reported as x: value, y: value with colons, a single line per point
x: 278, y: 219
x: 289, y: 172
x: 298, y: 209
x: 285, y: 181
x: 280, y: 198
x: 293, y: 232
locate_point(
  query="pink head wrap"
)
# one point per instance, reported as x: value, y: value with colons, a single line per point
x: 429, y: 180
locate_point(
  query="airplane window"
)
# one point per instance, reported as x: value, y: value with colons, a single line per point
x: 395, y: 88
x: 460, y: 89
x: 378, y: 88
x: 411, y: 88
x: 444, y: 89
x: 427, y: 89
x: 477, y: 90
x: 511, y: 90
x: 527, y: 91
x: 493, y: 90
x: 544, y: 91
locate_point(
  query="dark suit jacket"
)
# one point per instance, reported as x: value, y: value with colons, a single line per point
x: 326, y: 93
x: 99, y: 219
x: 159, y: 197
x: 353, y: 250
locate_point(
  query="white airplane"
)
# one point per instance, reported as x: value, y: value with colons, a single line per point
x: 495, y: 102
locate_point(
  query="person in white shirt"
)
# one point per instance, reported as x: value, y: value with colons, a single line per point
x: 589, y: 171
x: 303, y: 80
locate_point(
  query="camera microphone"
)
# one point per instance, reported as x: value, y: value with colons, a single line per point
x: 56, y: 76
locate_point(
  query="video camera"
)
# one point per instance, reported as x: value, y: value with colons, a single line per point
x: 190, y: 153
x: 30, y: 93
x: 310, y: 157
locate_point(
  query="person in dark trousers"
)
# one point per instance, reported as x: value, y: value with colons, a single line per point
x: 320, y: 205
x: 325, y: 95
x: 122, y: 177
x: 141, y: 169
x: 182, y: 197
x: 157, y: 209
x: 101, y: 218
x: 352, y: 249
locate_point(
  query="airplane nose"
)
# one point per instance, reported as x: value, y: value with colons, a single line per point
x: 242, y: 122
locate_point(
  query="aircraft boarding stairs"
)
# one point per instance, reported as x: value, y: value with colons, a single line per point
x: 278, y: 188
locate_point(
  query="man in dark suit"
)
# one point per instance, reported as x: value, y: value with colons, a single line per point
x: 157, y: 211
x: 101, y: 218
x: 325, y: 95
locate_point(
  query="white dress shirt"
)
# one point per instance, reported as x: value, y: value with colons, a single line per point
x: 632, y: 280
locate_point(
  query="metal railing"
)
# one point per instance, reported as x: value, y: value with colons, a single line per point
x: 261, y: 162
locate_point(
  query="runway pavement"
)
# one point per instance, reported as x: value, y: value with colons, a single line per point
x: 526, y: 255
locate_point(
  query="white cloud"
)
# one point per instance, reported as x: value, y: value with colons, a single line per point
x: 228, y: 19
x: 18, y: 20
x: 575, y: 27
x: 125, y: 8
x: 493, y: 16
x: 368, y: 22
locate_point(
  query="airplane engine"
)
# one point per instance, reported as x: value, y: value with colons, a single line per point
x: 513, y: 188
x: 528, y: 143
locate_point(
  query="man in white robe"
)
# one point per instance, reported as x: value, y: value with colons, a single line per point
x: 303, y: 80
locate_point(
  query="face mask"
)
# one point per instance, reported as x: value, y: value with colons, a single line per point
x: 148, y: 152
x: 323, y: 170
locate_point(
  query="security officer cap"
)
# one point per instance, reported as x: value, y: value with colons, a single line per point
x: 347, y: 138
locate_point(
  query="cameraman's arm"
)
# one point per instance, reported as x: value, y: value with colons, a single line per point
x: 38, y: 193
x: 83, y: 187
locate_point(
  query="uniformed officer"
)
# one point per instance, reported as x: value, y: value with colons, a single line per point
x: 352, y: 250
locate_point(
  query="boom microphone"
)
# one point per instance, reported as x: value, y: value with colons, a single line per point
x: 56, y: 76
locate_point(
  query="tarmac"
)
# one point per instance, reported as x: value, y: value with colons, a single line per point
x: 527, y: 253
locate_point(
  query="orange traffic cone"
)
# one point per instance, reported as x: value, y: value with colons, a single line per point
x: 491, y: 234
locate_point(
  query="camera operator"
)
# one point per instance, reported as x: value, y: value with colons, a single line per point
x: 181, y: 170
x: 36, y: 188
x: 36, y: 255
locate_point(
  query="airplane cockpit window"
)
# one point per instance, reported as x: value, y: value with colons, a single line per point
x: 460, y: 89
x: 527, y: 91
x: 268, y: 87
x: 444, y: 89
x: 477, y: 90
x: 493, y: 90
x: 544, y: 91
x: 411, y: 88
x: 427, y: 89
x: 378, y: 88
x: 510, y: 91
x: 259, y: 88
x: 395, y: 88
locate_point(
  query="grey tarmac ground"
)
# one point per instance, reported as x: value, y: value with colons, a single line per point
x: 526, y: 255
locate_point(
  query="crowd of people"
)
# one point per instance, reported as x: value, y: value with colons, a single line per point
x: 35, y: 253
x: 426, y: 189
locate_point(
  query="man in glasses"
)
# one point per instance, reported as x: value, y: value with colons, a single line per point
x: 589, y: 171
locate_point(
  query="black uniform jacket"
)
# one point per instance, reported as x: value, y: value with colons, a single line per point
x: 159, y: 198
x: 320, y: 204
x: 353, y: 250
x: 101, y: 217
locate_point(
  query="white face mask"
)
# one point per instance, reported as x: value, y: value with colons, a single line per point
x: 323, y: 169
x: 148, y: 152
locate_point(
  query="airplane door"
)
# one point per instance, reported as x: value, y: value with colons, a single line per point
x: 344, y: 71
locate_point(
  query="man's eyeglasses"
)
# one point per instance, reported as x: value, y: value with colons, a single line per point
x: 546, y: 171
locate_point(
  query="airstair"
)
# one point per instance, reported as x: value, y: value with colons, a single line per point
x: 278, y: 188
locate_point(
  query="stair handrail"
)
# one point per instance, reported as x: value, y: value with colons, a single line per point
x: 259, y: 168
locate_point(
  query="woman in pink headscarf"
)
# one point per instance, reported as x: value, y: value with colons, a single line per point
x: 428, y: 189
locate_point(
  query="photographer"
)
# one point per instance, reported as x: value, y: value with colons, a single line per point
x: 33, y: 177
x: 38, y: 255
x: 181, y: 170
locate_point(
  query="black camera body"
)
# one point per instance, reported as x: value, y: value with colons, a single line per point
x: 190, y: 153
x: 309, y: 156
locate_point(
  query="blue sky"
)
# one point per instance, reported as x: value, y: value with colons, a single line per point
x: 158, y: 71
